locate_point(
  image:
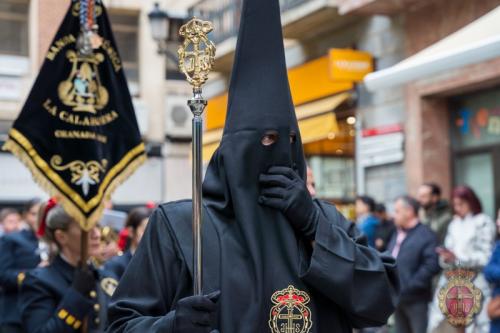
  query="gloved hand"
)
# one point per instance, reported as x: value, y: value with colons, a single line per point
x: 283, y: 189
x: 196, y: 314
x: 84, y: 280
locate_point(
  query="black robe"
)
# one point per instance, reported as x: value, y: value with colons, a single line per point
x: 349, y: 284
x: 272, y: 278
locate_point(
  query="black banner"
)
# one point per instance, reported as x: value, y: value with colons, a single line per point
x: 77, y: 131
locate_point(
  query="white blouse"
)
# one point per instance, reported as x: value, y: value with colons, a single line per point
x: 471, y: 239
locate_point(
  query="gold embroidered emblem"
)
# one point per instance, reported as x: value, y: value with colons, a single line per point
x: 82, y: 90
x: 290, y: 313
x: 84, y: 174
x: 109, y: 285
x: 460, y: 300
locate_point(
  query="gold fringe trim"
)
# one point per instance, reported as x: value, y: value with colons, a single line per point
x: 70, y: 207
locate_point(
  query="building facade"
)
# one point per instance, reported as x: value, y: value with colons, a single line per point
x: 385, y: 142
x: 442, y: 127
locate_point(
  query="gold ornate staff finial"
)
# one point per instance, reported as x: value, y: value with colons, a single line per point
x: 196, y: 60
x: 197, y: 52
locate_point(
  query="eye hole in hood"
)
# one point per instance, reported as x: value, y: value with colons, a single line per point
x: 269, y: 138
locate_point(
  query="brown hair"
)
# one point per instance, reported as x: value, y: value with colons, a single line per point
x: 6, y: 212
x: 57, y: 219
x: 467, y: 194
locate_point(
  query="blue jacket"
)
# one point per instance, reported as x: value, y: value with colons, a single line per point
x: 492, y: 275
x: 417, y: 263
x: 118, y: 264
x: 18, y: 254
x: 50, y: 304
x: 368, y: 227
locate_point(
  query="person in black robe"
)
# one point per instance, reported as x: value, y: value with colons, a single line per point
x: 274, y: 259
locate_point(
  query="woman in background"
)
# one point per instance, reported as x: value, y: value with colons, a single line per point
x: 468, y: 244
x: 58, y: 297
x: 136, y: 223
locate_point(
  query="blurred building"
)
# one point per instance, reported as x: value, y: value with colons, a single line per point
x: 432, y: 111
x: 159, y: 92
x: 386, y: 141
x: 451, y: 86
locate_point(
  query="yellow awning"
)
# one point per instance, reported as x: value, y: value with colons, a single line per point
x: 309, y: 82
x: 317, y: 121
x: 318, y: 127
x: 321, y: 106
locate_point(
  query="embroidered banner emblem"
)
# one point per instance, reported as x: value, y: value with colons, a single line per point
x: 460, y: 300
x: 290, y: 313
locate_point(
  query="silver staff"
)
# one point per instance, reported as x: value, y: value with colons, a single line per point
x: 196, y: 59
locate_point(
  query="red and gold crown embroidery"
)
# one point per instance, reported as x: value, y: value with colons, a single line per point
x: 290, y: 313
x: 460, y: 300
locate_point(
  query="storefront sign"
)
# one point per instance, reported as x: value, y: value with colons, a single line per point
x: 349, y: 65
x: 384, y: 148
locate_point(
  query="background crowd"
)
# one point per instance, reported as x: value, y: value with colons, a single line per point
x: 429, y: 235
x: 426, y: 234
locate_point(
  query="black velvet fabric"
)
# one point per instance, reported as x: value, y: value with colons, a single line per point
x: 252, y: 251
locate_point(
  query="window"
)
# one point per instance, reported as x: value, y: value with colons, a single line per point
x: 125, y: 27
x: 14, y: 27
x: 475, y: 141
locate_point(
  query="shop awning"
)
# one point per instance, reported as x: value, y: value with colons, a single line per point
x: 317, y: 121
x: 479, y: 41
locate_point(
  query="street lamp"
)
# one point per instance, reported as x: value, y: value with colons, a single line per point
x: 159, y: 21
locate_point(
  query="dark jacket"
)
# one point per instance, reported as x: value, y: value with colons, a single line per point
x: 417, y: 264
x: 492, y: 275
x: 384, y: 232
x: 18, y: 254
x: 49, y: 303
x: 438, y: 217
x: 118, y: 264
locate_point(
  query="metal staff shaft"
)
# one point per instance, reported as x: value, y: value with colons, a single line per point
x: 196, y: 59
x: 197, y: 105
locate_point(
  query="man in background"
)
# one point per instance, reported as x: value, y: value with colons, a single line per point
x: 414, y: 247
x: 434, y: 212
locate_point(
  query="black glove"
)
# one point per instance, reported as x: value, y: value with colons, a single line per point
x: 84, y: 280
x: 283, y: 189
x: 196, y: 314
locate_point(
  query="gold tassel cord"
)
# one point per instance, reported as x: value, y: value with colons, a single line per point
x: 72, y: 209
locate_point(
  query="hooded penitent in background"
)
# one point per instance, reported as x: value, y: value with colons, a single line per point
x: 282, y: 262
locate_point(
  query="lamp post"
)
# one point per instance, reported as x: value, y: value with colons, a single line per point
x: 160, y: 26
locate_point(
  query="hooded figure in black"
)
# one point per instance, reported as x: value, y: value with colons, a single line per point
x: 274, y: 260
